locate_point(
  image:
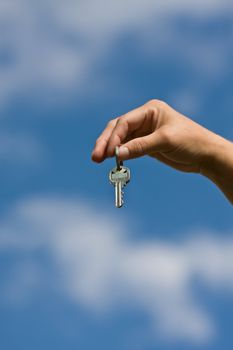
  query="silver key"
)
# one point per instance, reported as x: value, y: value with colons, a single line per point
x: 119, y: 177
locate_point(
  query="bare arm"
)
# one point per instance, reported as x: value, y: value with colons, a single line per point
x: 157, y: 130
x: 218, y: 167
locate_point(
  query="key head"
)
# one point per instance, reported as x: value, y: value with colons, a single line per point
x: 122, y: 175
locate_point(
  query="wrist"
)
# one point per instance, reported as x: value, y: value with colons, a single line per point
x: 218, y: 164
x: 218, y: 157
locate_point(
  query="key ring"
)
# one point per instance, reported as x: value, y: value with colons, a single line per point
x: 119, y: 163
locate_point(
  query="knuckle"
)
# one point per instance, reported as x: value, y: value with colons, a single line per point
x: 155, y: 107
x: 120, y: 121
x: 157, y: 103
x: 121, y: 124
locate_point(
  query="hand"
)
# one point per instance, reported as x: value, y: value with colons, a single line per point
x: 157, y: 130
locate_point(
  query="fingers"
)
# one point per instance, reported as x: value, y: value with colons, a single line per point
x: 121, y: 130
x: 102, y: 141
x: 115, y: 133
x: 125, y: 126
x: 141, y: 146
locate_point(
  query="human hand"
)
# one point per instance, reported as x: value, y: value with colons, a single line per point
x: 157, y: 130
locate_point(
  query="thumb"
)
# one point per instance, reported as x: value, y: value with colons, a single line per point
x: 140, y: 146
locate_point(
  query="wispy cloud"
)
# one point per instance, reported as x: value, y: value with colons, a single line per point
x: 51, y: 49
x: 97, y: 264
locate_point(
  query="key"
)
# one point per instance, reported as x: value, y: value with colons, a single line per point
x: 119, y: 177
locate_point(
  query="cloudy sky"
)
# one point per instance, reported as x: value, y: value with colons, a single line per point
x: 76, y: 272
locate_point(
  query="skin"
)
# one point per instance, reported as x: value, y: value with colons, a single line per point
x: 157, y: 130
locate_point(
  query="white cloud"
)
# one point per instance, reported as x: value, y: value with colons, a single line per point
x: 98, y: 264
x: 52, y: 47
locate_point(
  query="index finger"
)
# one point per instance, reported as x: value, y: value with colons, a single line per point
x: 125, y: 125
x: 98, y: 153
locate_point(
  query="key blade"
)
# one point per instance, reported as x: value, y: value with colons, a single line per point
x: 118, y: 195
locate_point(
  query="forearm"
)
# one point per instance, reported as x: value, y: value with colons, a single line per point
x: 218, y: 166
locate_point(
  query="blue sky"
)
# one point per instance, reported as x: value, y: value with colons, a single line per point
x: 74, y: 271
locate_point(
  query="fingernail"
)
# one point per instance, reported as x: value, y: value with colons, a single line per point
x: 123, y: 152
